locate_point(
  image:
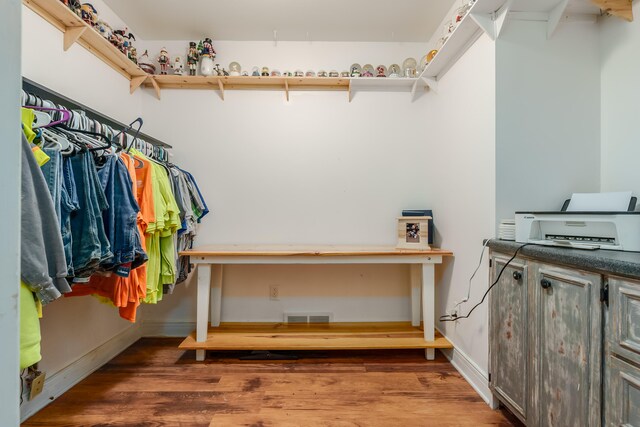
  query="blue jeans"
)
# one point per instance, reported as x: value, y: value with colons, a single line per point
x: 90, y: 244
x: 120, y: 219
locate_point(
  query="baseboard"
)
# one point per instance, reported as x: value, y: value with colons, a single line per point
x: 63, y: 380
x: 472, y: 373
x: 167, y: 329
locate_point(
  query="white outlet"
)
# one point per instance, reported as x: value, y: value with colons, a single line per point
x: 274, y: 293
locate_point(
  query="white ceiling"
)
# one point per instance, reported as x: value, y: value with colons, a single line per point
x: 294, y: 20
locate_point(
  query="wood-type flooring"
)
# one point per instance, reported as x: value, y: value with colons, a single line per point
x: 153, y: 383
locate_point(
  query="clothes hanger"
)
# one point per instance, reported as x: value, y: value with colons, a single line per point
x: 66, y: 115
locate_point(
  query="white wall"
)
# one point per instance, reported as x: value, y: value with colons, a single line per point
x: 548, y: 115
x: 73, y: 327
x: 461, y: 136
x: 619, y: 45
x: 10, y: 188
x: 315, y: 170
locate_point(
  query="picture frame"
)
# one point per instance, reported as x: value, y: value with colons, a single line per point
x: 413, y: 232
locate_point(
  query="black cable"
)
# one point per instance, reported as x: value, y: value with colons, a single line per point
x: 454, y: 317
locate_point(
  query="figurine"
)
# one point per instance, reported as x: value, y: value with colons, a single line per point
x: 207, y: 55
x: 355, y: 72
x: 394, y: 71
x: 235, y: 69
x: 255, y: 72
x: 265, y: 72
x: 276, y: 73
x: 310, y: 73
x: 220, y: 71
x: 133, y: 55
x: 143, y: 62
x: 117, y: 40
x: 345, y: 74
x: 287, y: 74
x: 192, y: 58
x: 163, y: 60
x: 381, y: 71
x: 105, y: 29
x: 334, y: 73
x: 245, y: 74
x: 322, y: 73
x: 177, y: 66
x: 89, y: 14
x: 75, y: 6
x: 299, y: 73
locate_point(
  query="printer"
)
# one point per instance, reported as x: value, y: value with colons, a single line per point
x: 583, y: 229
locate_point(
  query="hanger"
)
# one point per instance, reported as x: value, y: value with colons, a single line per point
x: 66, y: 115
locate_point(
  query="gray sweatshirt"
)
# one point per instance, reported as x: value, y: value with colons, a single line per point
x: 43, y: 265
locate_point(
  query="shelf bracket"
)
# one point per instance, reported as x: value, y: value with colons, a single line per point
x: 431, y: 82
x: 555, y: 16
x: 492, y: 23
x: 349, y: 91
x: 501, y: 17
x: 135, y: 82
x: 71, y: 35
x: 286, y: 89
x: 156, y: 86
x: 221, y: 87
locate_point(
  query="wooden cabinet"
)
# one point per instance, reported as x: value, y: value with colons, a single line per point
x: 566, y: 317
x: 546, y: 342
x: 622, y: 392
x: 509, y: 335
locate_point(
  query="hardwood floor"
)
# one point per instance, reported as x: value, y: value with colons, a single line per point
x: 153, y: 383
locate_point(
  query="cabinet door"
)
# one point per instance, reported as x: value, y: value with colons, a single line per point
x: 624, y: 394
x: 568, y: 339
x: 508, y: 326
x: 624, y: 329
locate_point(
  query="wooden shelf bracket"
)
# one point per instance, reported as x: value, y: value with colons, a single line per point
x: 221, y: 87
x: 156, y: 86
x: 71, y: 35
x: 492, y: 23
x: 135, y: 83
x: 286, y: 89
x: 555, y: 16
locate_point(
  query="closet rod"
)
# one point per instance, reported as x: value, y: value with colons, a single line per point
x: 45, y: 93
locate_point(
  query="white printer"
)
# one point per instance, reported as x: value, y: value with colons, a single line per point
x: 585, y: 229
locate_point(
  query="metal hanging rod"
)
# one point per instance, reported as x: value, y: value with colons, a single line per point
x: 34, y: 88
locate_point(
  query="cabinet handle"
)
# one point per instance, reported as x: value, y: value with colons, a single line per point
x: 517, y: 275
x: 545, y: 283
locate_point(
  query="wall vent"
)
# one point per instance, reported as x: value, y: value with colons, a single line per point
x: 308, y: 317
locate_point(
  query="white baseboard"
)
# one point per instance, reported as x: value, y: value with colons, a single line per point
x: 472, y: 373
x: 61, y: 381
x: 167, y: 329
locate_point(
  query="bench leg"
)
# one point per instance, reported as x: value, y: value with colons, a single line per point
x: 202, y: 315
x: 428, y: 306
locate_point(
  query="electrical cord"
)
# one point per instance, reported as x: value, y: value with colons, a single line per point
x: 454, y: 317
x: 465, y: 299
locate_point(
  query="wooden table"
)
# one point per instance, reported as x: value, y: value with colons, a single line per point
x: 211, y: 259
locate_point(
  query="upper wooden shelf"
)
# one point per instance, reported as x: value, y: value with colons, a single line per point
x: 77, y: 31
x: 286, y: 84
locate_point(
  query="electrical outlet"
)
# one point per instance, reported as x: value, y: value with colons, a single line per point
x: 274, y: 293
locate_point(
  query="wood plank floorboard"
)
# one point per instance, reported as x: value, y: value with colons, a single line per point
x: 155, y: 384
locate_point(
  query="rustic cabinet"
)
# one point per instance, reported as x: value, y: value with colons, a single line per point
x: 546, y: 342
x: 622, y: 392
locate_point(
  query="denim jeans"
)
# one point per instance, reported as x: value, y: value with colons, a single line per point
x: 59, y: 177
x: 120, y: 219
x: 90, y: 244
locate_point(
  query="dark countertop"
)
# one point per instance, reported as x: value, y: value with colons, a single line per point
x: 602, y: 261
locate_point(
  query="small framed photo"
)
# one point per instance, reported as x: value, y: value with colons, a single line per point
x: 413, y: 232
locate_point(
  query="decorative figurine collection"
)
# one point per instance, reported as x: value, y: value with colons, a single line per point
x: 122, y: 39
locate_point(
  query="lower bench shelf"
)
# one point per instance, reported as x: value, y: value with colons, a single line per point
x: 333, y: 336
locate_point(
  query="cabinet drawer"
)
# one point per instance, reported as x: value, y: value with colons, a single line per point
x: 623, y: 396
x: 624, y: 328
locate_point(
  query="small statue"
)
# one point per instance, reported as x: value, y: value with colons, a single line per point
x: 177, y: 66
x: 145, y: 63
x: 133, y: 55
x: 381, y: 71
x: 206, y: 48
x: 355, y: 72
x: 89, y: 14
x: 265, y: 72
x: 105, y: 29
x: 366, y: 73
x: 163, y: 60
x: 192, y: 58
x: 255, y: 72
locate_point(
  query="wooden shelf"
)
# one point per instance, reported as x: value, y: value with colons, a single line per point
x: 286, y: 84
x: 77, y: 31
x: 332, y: 336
